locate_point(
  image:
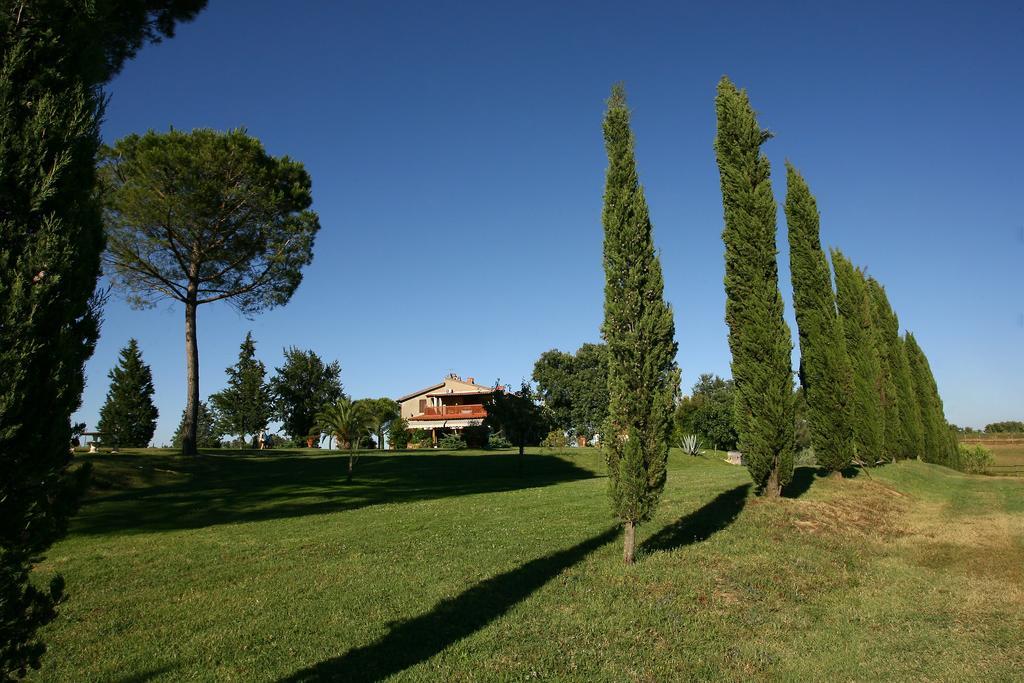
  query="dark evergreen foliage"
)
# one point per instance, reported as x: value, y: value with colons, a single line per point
x: 825, y: 372
x: 759, y: 338
x: 244, y: 406
x: 895, y: 390
x: 639, y: 331
x: 709, y: 412
x: 517, y: 415
x: 128, y: 416
x: 937, y: 443
x: 240, y: 231
x: 55, y: 56
x: 301, y: 388
x: 207, y: 433
x: 868, y: 418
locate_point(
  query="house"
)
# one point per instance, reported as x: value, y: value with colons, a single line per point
x: 451, y: 405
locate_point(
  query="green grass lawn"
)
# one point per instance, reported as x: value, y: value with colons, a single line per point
x: 474, y: 566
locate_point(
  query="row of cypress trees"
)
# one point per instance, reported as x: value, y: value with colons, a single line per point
x: 870, y: 393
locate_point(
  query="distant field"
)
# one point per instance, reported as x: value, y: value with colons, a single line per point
x: 468, y: 566
x: 1007, y: 449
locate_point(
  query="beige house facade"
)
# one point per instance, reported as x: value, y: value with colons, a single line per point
x: 450, y: 405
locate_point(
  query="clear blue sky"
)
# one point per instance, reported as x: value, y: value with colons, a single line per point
x: 458, y: 166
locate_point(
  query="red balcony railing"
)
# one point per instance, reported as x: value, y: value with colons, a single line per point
x: 465, y: 411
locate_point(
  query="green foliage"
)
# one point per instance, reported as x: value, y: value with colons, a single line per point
x: 825, y: 373
x: 902, y: 423
x: 868, y: 417
x: 240, y: 230
x: 244, y: 406
x: 639, y: 332
x: 381, y: 411
x: 301, y: 387
x: 937, y: 445
x: 207, y: 433
x: 1010, y: 426
x: 398, y: 433
x: 422, y: 438
x: 575, y: 387
x: 708, y: 412
x: 976, y: 460
x: 759, y: 338
x: 497, y: 440
x: 518, y: 416
x: 346, y: 421
x: 55, y: 56
x: 476, y: 437
x: 451, y: 442
x: 128, y: 416
x: 556, y: 438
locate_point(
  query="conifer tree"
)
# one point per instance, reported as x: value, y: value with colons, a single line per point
x: 640, y: 334
x: 910, y: 415
x: 855, y: 313
x: 245, y: 405
x: 759, y: 338
x: 55, y: 57
x: 894, y: 386
x: 933, y: 420
x: 128, y: 417
x: 207, y: 433
x: 825, y: 372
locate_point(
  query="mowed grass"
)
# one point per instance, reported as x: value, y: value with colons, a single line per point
x: 480, y: 566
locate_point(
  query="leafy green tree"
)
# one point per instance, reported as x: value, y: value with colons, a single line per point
x: 759, y: 338
x: 896, y: 388
x: 517, y: 416
x: 1009, y: 426
x: 381, y: 411
x: 861, y: 344
x: 574, y: 387
x: 207, y: 434
x: 708, y: 412
x: 348, y: 422
x: 128, y: 416
x: 55, y: 58
x: 398, y: 434
x: 244, y: 406
x: 825, y: 373
x: 301, y: 388
x: 639, y: 331
x: 240, y: 230
x: 937, y: 446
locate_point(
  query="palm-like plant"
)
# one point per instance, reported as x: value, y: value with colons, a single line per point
x: 348, y: 422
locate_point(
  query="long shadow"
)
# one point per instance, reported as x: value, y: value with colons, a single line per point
x: 420, y: 638
x: 159, y: 493
x: 803, y: 477
x: 702, y: 523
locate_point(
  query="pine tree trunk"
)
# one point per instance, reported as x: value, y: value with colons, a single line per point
x: 188, y: 438
x: 350, y: 464
x: 629, y: 542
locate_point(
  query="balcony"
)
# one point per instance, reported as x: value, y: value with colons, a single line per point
x: 467, y: 411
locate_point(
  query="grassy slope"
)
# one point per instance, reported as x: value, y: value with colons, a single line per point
x: 462, y: 568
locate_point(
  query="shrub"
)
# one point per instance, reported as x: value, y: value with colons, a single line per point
x: 555, y: 439
x: 422, y: 438
x: 498, y: 440
x: 805, y: 457
x: 476, y: 437
x: 399, y: 434
x: 976, y: 460
x: 451, y: 442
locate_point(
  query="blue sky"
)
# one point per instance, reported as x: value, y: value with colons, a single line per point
x: 458, y: 166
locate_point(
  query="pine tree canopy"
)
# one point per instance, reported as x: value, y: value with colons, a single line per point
x: 825, y: 372
x: 935, y: 433
x: 128, y: 417
x: 639, y: 332
x: 759, y: 338
x: 887, y: 332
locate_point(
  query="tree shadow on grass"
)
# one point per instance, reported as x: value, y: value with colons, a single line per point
x: 418, y: 639
x: 702, y: 523
x: 804, y: 478
x: 134, y: 493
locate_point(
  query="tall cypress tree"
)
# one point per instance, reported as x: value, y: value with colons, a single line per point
x: 933, y: 420
x: 855, y: 312
x: 758, y: 336
x: 640, y: 333
x: 910, y: 415
x: 128, y: 416
x: 55, y: 56
x: 896, y: 443
x: 825, y: 372
x: 245, y: 405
